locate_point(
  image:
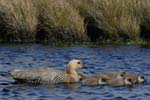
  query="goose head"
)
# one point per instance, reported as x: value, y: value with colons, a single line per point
x: 128, y: 82
x: 102, y: 81
x: 141, y: 79
x: 74, y: 64
x: 71, y: 72
x: 121, y: 75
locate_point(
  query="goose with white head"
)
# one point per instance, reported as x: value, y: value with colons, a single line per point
x: 49, y: 75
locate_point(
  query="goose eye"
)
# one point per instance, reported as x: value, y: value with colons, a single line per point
x: 78, y: 62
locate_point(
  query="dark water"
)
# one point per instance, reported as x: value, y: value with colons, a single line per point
x: 98, y: 59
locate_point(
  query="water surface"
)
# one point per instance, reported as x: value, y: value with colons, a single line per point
x: 98, y: 59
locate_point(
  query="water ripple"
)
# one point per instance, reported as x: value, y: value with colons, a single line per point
x: 98, y: 59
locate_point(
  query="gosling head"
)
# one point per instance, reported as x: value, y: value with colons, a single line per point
x: 121, y: 75
x: 128, y: 82
x: 102, y: 81
x: 75, y: 64
x: 141, y: 79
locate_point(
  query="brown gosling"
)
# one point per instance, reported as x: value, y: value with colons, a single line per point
x: 94, y: 81
x: 137, y: 79
x: 112, y: 75
x: 49, y: 75
x: 120, y: 82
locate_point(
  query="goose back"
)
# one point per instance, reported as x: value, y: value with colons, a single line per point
x: 39, y: 75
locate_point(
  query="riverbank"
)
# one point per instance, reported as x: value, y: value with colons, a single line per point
x: 55, y: 21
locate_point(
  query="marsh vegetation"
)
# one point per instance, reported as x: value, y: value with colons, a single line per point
x: 55, y: 21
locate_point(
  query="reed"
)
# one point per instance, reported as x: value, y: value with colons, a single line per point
x: 74, y: 20
x: 59, y: 21
x: 145, y: 26
x: 117, y: 18
x: 20, y: 17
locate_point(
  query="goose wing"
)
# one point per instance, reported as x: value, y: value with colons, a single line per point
x: 39, y: 75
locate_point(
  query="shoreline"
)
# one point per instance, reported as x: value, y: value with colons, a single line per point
x: 98, y: 43
x: 57, y: 22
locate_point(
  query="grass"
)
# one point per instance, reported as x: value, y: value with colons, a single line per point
x: 20, y: 20
x: 56, y: 21
x: 119, y: 19
x: 145, y: 26
x: 60, y: 21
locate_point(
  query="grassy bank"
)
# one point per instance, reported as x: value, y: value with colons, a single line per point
x: 54, y: 21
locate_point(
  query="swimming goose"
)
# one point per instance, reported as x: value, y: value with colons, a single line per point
x: 137, y: 79
x: 120, y: 82
x: 112, y: 75
x: 94, y: 81
x: 103, y: 81
x: 49, y: 75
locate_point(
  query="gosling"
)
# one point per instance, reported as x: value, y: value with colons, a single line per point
x: 137, y: 79
x: 49, y: 75
x: 94, y: 81
x: 120, y: 82
x: 112, y: 75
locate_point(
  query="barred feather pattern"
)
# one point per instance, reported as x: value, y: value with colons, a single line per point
x: 39, y: 75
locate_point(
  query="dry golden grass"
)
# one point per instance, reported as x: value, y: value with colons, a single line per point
x: 117, y: 18
x: 20, y: 17
x: 145, y: 26
x: 67, y: 20
x: 59, y: 19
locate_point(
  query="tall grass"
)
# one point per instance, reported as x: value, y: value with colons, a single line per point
x: 118, y: 18
x: 60, y: 21
x: 145, y: 26
x: 74, y: 20
x: 20, y: 17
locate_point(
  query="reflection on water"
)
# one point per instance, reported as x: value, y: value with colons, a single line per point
x: 98, y: 59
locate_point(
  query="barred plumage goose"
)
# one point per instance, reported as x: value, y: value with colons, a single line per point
x: 49, y: 75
